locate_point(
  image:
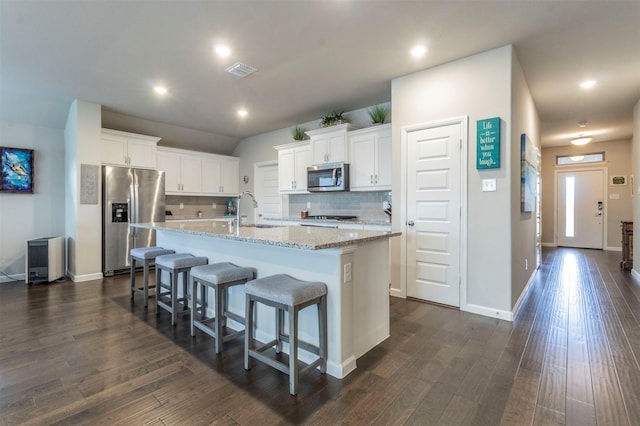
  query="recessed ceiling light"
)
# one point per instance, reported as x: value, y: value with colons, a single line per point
x: 223, y: 51
x: 581, y: 141
x: 242, y: 112
x: 418, y: 51
x: 160, y: 90
x: 588, y: 84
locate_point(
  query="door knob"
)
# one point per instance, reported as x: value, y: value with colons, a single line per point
x: 410, y: 223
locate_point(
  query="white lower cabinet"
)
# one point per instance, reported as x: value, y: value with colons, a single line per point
x: 197, y: 173
x: 370, y: 158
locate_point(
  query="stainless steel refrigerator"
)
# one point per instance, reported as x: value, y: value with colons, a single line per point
x: 128, y: 196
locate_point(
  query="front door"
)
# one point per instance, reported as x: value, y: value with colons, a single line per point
x: 433, y: 229
x: 580, y: 208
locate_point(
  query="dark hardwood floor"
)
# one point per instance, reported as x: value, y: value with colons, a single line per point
x: 84, y: 354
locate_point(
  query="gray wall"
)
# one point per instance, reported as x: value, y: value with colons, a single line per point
x: 524, y: 119
x: 636, y: 197
x: 479, y: 87
x: 83, y: 225
x: 28, y: 216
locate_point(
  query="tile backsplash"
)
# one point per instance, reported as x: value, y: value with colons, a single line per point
x: 365, y: 205
x: 191, y: 205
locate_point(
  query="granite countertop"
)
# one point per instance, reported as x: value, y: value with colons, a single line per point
x: 173, y: 218
x: 300, y: 237
x: 336, y: 221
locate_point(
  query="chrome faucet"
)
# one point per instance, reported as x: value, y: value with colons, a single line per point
x: 255, y: 204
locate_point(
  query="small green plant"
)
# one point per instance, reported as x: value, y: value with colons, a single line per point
x: 378, y: 114
x: 299, y: 133
x: 332, y: 119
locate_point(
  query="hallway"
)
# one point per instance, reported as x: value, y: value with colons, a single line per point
x: 580, y: 330
x: 84, y: 354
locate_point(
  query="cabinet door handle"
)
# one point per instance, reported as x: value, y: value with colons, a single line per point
x: 371, y: 181
x: 410, y: 223
x: 376, y: 180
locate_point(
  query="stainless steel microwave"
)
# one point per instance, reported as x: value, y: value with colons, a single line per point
x: 328, y: 177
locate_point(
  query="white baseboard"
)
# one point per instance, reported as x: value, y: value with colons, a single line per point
x: 395, y: 292
x: 614, y: 249
x: 11, y: 278
x: 548, y: 244
x: 85, y: 277
x: 499, y: 313
x: 488, y: 312
x: 522, y: 296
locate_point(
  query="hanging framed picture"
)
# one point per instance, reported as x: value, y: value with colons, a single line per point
x: 17, y: 170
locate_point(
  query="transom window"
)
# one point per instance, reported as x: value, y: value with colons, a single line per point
x: 597, y: 157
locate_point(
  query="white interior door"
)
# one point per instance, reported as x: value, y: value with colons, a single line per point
x: 267, y: 192
x: 433, y: 229
x: 580, y: 208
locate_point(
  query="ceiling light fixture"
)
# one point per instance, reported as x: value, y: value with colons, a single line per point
x: 581, y: 140
x: 418, y: 51
x: 223, y: 51
x: 588, y: 84
x: 160, y: 90
x: 242, y: 112
x: 582, y: 123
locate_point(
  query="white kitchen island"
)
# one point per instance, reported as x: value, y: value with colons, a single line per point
x: 353, y: 263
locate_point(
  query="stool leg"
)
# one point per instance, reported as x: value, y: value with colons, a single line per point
x: 218, y: 319
x: 225, y: 304
x: 248, y: 332
x: 322, y: 325
x: 293, y: 350
x: 203, y: 302
x: 279, y: 328
x: 133, y: 275
x: 174, y: 295
x: 194, y: 291
x: 158, y: 287
x: 146, y: 281
x: 185, y: 293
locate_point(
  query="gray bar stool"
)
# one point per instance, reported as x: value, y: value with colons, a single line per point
x: 146, y: 255
x: 286, y: 293
x: 220, y: 277
x: 175, y: 264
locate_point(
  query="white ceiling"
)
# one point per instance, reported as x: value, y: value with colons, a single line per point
x: 312, y: 56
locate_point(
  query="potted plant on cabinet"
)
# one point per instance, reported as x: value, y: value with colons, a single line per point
x: 378, y: 114
x: 332, y: 119
x: 298, y: 133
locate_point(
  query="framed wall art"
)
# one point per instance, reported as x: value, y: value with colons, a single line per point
x: 528, y: 174
x: 17, y: 170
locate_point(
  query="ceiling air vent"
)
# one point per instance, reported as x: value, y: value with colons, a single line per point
x: 241, y: 70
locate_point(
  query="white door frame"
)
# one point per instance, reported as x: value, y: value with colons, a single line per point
x: 605, y: 196
x: 464, y: 136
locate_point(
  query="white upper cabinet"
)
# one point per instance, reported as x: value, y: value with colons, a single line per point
x: 197, y: 173
x: 220, y: 175
x: 329, y: 144
x: 293, y: 160
x: 128, y: 149
x: 182, y: 172
x: 370, y: 168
